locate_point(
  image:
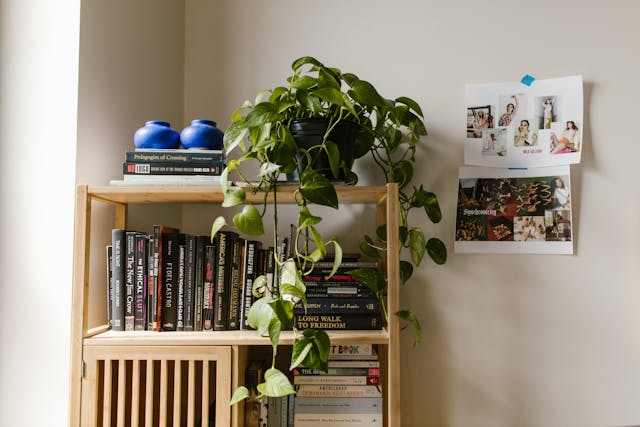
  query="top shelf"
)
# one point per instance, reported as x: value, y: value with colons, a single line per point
x: 207, y: 194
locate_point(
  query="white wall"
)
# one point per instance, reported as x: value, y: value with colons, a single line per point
x: 38, y: 87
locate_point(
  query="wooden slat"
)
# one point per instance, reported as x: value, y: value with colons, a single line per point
x: 120, y: 217
x: 163, y: 393
x: 122, y: 391
x: 90, y: 394
x: 191, y: 407
x: 177, y: 393
x: 135, y: 393
x: 107, y: 393
x: 223, y: 386
x: 205, y: 393
x: 148, y: 409
x: 239, y: 363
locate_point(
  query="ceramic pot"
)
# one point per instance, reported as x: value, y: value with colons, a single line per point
x: 156, y: 134
x: 202, y: 134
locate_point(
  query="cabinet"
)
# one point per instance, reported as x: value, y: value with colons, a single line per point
x: 176, y: 378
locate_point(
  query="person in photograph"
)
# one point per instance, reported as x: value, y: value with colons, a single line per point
x: 481, y: 120
x: 561, y: 196
x: 568, y: 142
x: 547, y: 114
x: 512, y: 109
x: 525, y: 137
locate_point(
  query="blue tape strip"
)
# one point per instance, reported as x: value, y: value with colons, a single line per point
x: 518, y: 169
x: 527, y: 80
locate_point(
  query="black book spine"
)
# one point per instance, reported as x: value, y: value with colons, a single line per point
x: 235, y: 285
x: 208, y: 306
x: 269, y: 268
x: 223, y: 280
x: 189, y: 284
x: 141, y: 283
x: 180, y: 302
x: 152, y: 310
x: 250, y: 268
x: 169, y: 281
x: 164, y: 169
x: 339, y: 321
x: 118, y: 242
x: 332, y: 305
x: 201, y: 242
x: 129, y: 281
x: 110, y: 294
x: 175, y: 157
x: 150, y: 282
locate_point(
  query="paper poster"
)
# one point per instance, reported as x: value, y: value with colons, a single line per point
x: 515, y: 125
x: 514, y: 211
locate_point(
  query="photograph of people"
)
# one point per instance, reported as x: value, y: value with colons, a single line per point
x: 478, y: 118
x: 493, y: 142
x: 525, y: 137
x: 512, y: 110
x: 560, y: 194
x: 547, y: 114
x: 568, y: 142
x: 527, y: 228
x: 547, y: 111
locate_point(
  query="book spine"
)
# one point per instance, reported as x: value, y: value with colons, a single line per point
x: 349, y: 265
x: 337, y: 379
x: 270, y: 268
x: 222, y: 279
x: 180, y: 302
x: 119, y: 259
x: 338, y: 306
x: 337, y: 420
x: 233, y: 319
x: 337, y: 405
x: 373, y: 372
x: 354, y: 364
x: 291, y: 404
x: 141, y: 283
x: 208, y: 310
x: 249, y: 274
x: 129, y: 280
x: 189, y: 285
x: 351, y: 350
x: 169, y: 281
x: 338, y: 291
x: 331, y: 390
x: 109, y: 286
x: 175, y: 157
x: 129, y: 168
x: 153, y: 294
x: 198, y: 276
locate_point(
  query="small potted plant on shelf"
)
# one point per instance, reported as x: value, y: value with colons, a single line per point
x: 312, y: 129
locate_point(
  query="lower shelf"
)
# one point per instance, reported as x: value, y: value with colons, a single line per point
x: 142, y: 338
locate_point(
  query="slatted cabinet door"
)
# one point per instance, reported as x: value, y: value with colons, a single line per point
x: 145, y: 386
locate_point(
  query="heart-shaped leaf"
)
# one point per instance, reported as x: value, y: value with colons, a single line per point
x: 241, y: 393
x: 371, y: 278
x: 260, y: 315
x: 284, y: 311
x: 249, y: 221
x: 333, y: 153
x: 406, y: 270
x: 276, y: 384
x: 437, y: 250
x: 233, y: 196
x: 410, y: 317
x: 217, y: 225
x: 318, y: 189
x: 301, y: 349
x: 259, y: 286
x: 416, y: 245
x: 305, y: 219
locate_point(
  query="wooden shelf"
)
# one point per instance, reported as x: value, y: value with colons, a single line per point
x: 245, y: 338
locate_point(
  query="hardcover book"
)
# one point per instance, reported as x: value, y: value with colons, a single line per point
x: 189, y: 282
x: 141, y: 282
x: 208, y: 306
x: 118, y: 243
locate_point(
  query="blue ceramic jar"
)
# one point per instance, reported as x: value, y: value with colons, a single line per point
x: 202, y: 134
x: 156, y: 134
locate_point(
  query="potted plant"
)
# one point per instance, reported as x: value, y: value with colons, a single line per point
x: 313, y: 128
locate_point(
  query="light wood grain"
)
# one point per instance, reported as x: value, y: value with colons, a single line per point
x: 191, y: 402
x: 135, y: 394
x: 177, y: 397
x: 148, y: 408
x: 163, y: 392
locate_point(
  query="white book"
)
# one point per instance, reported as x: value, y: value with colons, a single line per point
x: 333, y: 390
x: 130, y: 180
x: 354, y: 363
x: 337, y: 420
x: 337, y: 379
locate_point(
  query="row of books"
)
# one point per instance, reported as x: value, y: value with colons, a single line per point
x: 172, y: 167
x: 169, y: 281
x: 340, y: 397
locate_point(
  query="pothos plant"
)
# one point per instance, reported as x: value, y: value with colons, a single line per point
x: 389, y: 132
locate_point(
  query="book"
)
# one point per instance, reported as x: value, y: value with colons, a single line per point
x: 198, y: 277
x: 208, y: 306
x: 249, y: 273
x: 170, y: 243
x: 269, y: 268
x: 150, y: 280
x: 252, y: 377
x: 335, y: 390
x: 235, y: 284
x: 337, y: 420
x: 337, y: 379
x: 338, y: 321
x: 150, y: 169
x: 175, y: 156
x: 338, y: 306
x: 189, y: 282
x: 338, y: 405
x: 118, y: 243
x: 181, y: 271
x: 141, y: 282
x: 109, y: 286
x: 338, y: 371
x: 353, y: 363
x: 168, y: 180
x: 351, y: 350
x: 129, y: 280
x: 223, y: 278
x: 160, y: 272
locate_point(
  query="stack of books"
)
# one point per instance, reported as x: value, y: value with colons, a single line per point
x: 338, y: 301
x: 348, y: 394
x: 172, y: 167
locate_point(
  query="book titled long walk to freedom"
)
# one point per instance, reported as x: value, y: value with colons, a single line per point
x: 339, y: 321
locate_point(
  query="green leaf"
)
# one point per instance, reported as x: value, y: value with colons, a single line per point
x: 259, y: 286
x: 276, y: 384
x: 241, y: 393
x: 318, y: 189
x: 217, y: 225
x: 249, y: 221
x: 371, y: 278
x: 275, y: 326
x: 323, y: 344
x: 330, y: 95
x: 317, y: 239
x: 261, y: 114
x: 284, y: 311
x: 333, y: 153
x: 301, y: 349
x: 364, y: 93
x: 305, y: 219
x: 303, y: 82
x: 268, y: 168
x: 416, y: 245
x: 233, y: 196
x: 260, y: 315
x: 293, y: 293
x: 328, y: 79
x: 406, y: 270
x: 234, y: 135
x: 366, y: 247
x: 304, y: 61
x: 290, y: 274
x: 437, y: 250
x: 411, y: 104
x: 337, y: 256
x: 381, y: 232
x: 403, y: 233
x: 430, y: 202
x: 277, y: 93
x: 403, y: 172
x: 410, y: 317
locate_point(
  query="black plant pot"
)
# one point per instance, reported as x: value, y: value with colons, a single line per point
x: 310, y: 132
